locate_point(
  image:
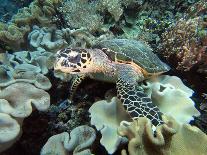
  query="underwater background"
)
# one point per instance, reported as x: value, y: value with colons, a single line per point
x: 34, y: 102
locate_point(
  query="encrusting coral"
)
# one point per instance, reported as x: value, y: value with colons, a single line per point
x: 78, y: 142
x: 171, y: 138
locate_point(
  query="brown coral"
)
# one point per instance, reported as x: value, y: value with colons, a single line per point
x: 39, y: 11
x: 187, y: 43
x: 13, y: 35
x: 81, y: 13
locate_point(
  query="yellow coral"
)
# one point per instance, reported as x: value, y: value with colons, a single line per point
x: 38, y: 11
x: 12, y: 35
x: 171, y: 138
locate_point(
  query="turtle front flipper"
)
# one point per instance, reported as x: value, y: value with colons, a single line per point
x: 134, y: 100
x: 76, y: 80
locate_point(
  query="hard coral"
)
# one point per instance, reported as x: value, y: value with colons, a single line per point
x: 81, y: 13
x: 186, y: 41
x: 115, y: 7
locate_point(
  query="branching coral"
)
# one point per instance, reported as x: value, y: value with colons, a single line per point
x: 116, y: 7
x: 171, y: 138
x: 81, y: 13
x: 186, y: 41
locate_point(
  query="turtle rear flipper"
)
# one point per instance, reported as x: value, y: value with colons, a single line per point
x: 134, y: 100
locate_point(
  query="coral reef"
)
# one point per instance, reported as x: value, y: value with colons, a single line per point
x: 66, y: 116
x: 12, y: 35
x: 39, y: 61
x: 186, y: 41
x: 18, y: 97
x: 21, y: 107
x: 39, y: 12
x: 9, y: 8
x: 31, y: 31
x: 171, y: 138
x: 83, y: 11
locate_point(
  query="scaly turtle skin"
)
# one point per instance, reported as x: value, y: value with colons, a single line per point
x: 124, y: 62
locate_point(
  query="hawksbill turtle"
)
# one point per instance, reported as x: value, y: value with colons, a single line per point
x: 122, y: 61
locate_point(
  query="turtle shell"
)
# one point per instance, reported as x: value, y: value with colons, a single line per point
x: 131, y: 50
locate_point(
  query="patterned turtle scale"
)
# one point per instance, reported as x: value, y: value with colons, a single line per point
x: 136, y: 51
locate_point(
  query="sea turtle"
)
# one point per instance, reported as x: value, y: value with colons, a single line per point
x: 122, y: 61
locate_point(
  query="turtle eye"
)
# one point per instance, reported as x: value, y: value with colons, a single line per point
x: 74, y: 58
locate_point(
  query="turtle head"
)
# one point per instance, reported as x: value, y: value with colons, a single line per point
x: 73, y: 61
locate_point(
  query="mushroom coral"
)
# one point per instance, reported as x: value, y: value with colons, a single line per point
x: 172, y: 97
x: 12, y: 35
x: 39, y: 11
x: 106, y: 117
x: 17, y: 99
x: 9, y: 131
x: 47, y: 38
x: 16, y: 102
x: 171, y: 138
x: 78, y: 141
x: 7, y: 78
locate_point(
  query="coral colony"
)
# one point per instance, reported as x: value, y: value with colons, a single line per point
x: 103, y: 77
